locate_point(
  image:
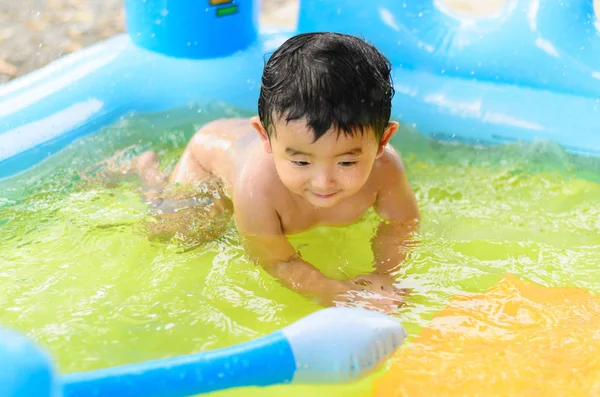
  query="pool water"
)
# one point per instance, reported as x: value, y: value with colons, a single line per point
x: 78, y: 275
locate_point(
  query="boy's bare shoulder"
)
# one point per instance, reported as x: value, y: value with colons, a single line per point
x: 257, y: 198
x: 258, y: 182
x: 388, y: 164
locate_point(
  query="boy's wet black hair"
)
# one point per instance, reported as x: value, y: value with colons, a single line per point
x: 329, y: 79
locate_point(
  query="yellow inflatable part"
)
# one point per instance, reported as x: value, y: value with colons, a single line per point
x: 518, y: 339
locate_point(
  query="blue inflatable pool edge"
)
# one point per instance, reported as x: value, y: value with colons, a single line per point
x: 329, y: 346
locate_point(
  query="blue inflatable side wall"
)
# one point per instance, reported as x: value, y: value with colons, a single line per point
x: 331, y: 345
x: 542, y: 44
x: 531, y: 71
x: 43, y: 112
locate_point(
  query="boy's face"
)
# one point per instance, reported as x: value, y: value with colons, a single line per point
x: 327, y: 171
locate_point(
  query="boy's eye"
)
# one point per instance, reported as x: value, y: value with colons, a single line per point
x: 300, y: 163
x: 347, y: 163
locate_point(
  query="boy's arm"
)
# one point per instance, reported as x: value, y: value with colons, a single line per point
x: 266, y: 245
x: 397, y: 205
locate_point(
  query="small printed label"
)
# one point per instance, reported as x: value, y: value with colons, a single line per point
x: 224, y: 11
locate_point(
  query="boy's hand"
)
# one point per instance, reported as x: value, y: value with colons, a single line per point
x: 373, y: 292
x: 379, y: 283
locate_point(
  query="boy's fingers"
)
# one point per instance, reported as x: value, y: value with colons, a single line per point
x: 362, y: 282
x: 380, y: 301
x: 402, y: 291
x: 390, y: 300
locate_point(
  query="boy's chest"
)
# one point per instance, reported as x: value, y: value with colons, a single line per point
x: 297, y: 220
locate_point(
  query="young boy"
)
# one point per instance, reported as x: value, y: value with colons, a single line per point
x: 317, y: 154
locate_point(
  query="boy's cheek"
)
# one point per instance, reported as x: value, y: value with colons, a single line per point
x: 293, y: 181
x: 289, y: 175
x: 357, y: 178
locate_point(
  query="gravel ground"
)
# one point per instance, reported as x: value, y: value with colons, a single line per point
x: 36, y: 32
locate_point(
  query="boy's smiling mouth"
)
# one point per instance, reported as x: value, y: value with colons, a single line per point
x: 324, y: 196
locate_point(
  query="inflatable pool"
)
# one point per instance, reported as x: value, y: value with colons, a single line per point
x: 456, y: 78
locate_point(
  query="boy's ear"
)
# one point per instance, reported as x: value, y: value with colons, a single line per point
x: 388, y: 133
x: 264, y: 135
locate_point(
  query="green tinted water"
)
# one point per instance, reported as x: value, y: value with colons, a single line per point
x: 77, y: 275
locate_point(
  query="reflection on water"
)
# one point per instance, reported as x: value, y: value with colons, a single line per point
x: 517, y: 339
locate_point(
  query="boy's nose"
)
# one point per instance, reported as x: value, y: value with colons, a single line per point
x: 322, y: 180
